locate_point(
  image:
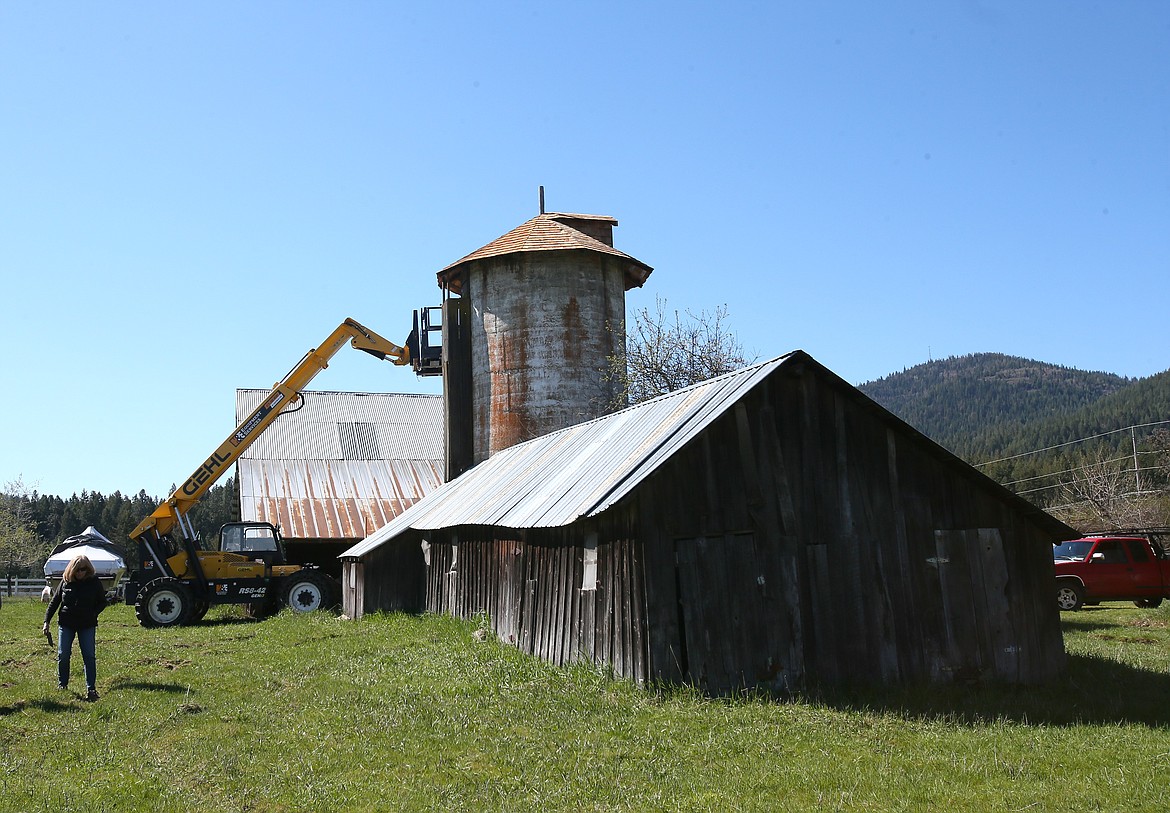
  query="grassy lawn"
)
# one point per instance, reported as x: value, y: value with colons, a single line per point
x: 407, y: 713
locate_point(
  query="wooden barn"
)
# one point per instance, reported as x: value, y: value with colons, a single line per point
x: 773, y: 527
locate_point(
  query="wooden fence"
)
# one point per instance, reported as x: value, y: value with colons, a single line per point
x: 10, y: 586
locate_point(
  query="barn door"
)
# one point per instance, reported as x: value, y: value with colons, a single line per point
x: 723, y: 614
x: 979, y: 627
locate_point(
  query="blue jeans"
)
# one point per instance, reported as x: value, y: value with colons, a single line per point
x: 87, y: 643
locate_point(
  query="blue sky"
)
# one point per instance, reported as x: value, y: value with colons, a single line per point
x: 193, y: 195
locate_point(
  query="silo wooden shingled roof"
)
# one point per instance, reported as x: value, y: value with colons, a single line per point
x: 547, y: 232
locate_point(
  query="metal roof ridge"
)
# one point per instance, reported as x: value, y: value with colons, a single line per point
x: 579, y: 216
x: 691, y: 427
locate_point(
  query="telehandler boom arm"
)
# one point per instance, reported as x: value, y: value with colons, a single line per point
x: 284, y: 393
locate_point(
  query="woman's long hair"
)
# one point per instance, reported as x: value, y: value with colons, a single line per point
x: 79, y: 569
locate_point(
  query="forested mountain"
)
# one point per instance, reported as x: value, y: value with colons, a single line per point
x: 1143, y: 401
x: 1094, y: 445
x: 976, y: 405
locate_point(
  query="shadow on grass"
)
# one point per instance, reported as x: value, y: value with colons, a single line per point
x: 150, y: 686
x: 1092, y: 618
x: 43, y: 705
x: 1092, y: 691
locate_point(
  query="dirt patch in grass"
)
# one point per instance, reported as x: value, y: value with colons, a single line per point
x: 1127, y: 639
x: 165, y: 663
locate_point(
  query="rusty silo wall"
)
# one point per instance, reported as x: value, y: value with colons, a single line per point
x: 543, y: 326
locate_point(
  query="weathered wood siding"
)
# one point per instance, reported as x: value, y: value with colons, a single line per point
x: 723, y: 572
x: 391, y: 581
x: 531, y: 586
x: 806, y: 538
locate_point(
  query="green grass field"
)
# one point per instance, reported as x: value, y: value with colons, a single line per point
x: 414, y: 713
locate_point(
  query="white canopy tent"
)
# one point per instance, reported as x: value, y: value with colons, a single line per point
x: 107, y: 561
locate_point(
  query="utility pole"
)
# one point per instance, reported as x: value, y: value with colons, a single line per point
x: 1137, y: 477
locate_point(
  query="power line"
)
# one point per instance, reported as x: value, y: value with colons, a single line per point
x: 1076, y: 469
x: 1074, y: 481
x: 1072, y: 442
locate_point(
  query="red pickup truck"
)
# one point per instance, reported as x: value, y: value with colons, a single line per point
x: 1111, y: 568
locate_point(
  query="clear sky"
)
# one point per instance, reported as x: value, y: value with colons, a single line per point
x: 192, y: 195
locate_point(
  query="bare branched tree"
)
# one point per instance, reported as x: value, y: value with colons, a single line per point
x: 1101, y: 494
x: 666, y: 351
x: 21, y: 549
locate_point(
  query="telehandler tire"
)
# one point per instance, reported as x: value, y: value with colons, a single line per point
x: 164, y: 602
x: 308, y: 590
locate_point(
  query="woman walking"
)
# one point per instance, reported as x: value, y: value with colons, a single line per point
x: 80, y: 597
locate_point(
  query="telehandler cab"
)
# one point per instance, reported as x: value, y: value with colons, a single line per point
x: 178, y: 579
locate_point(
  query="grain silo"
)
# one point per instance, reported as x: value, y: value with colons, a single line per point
x: 541, y: 309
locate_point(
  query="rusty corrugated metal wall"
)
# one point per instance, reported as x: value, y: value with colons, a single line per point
x: 343, y: 465
x: 333, y: 499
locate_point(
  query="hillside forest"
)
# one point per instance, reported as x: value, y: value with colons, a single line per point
x: 1092, y: 448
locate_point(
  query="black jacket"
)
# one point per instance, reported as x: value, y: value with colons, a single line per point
x: 80, y: 603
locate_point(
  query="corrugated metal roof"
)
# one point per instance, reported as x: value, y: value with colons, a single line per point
x: 546, y: 233
x: 342, y: 465
x: 405, y: 427
x: 576, y: 472
x: 333, y: 499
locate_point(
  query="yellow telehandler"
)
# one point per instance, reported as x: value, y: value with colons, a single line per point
x: 178, y: 578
